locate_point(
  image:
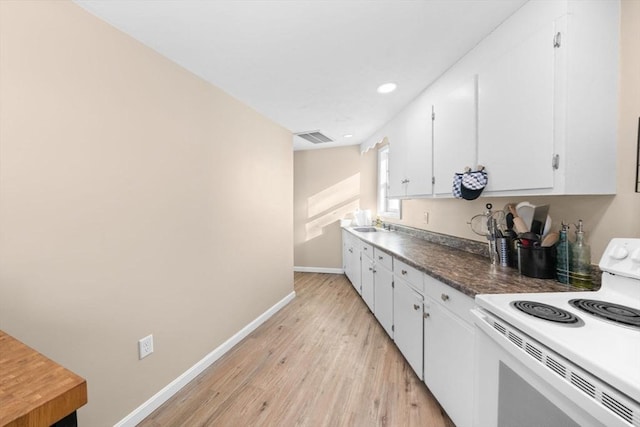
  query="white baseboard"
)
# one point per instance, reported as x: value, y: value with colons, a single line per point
x: 319, y: 270
x: 144, y: 410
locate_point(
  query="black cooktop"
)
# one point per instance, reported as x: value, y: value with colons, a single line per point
x: 609, y: 311
x: 547, y: 312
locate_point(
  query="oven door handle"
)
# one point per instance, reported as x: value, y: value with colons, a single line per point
x: 481, y: 320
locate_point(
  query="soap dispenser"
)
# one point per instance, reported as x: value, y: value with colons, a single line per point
x: 580, y: 274
x: 563, y: 260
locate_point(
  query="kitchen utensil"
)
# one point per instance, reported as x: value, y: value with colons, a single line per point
x: 539, y: 219
x: 509, y: 220
x: 547, y: 226
x: 486, y: 224
x: 550, y: 239
x: 478, y: 224
x: 529, y: 236
x: 518, y: 224
x: 526, y: 211
x: 503, y: 248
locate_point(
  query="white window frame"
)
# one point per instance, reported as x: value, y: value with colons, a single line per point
x: 389, y: 208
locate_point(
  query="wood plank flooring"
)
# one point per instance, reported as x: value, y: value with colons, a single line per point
x: 323, y: 360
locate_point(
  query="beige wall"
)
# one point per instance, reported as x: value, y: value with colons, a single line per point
x: 605, y: 216
x: 134, y: 198
x: 329, y: 184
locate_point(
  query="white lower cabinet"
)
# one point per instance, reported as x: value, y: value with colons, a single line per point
x: 407, y: 316
x: 367, y: 280
x: 383, y: 289
x: 351, y: 259
x: 448, y: 350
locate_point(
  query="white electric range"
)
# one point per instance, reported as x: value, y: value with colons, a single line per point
x: 567, y: 358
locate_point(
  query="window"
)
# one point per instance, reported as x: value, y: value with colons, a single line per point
x: 387, y: 207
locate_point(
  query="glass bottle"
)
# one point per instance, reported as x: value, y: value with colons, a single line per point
x: 580, y: 275
x: 563, y: 261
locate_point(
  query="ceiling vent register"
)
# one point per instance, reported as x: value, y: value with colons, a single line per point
x: 314, y: 137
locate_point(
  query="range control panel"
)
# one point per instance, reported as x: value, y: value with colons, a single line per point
x: 622, y: 257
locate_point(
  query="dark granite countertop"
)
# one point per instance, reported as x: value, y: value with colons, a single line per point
x: 467, y: 272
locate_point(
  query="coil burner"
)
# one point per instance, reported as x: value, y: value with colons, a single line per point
x: 609, y: 311
x: 547, y: 312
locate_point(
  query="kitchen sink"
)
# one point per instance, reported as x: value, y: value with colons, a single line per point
x: 365, y: 229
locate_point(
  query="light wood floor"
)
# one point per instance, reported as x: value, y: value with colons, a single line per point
x: 323, y: 360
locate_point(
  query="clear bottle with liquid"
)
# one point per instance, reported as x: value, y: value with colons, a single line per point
x: 580, y: 275
x: 563, y: 258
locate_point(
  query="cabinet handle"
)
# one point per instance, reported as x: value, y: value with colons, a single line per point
x: 557, y: 40
x: 380, y: 258
x: 404, y: 272
x: 370, y: 268
x: 426, y: 315
x: 416, y: 307
x: 374, y: 270
x: 365, y: 248
x: 350, y: 250
x: 444, y: 297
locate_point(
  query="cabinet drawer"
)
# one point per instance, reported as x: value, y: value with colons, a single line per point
x: 366, y: 249
x: 383, y: 258
x: 454, y: 300
x: 411, y: 275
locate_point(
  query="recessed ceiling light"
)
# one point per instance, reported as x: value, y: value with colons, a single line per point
x: 387, y: 88
x: 347, y: 136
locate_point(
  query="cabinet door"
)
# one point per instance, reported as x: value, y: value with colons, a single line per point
x: 351, y: 259
x: 383, y: 297
x: 418, y: 134
x: 367, y: 281
x: 515, y: 115
x: 397, y: 159
x: 409, y: 136
x: 448, y: 361
x: 346, y: 258
x: 355, y: 267
x: 407, y: 319
x: 454, y: 135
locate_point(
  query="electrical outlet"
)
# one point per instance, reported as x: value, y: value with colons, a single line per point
x: 145, y: 346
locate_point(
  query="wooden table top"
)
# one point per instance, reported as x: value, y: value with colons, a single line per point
x: 34, y: 390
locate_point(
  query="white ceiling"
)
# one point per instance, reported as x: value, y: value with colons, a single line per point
x: 312, y: 64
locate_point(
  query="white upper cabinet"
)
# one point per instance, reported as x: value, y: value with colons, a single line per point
x: 409, y: 136
x: 515, y: 115
x: 545, y: 118
x: 454, y: 135
x: 587, y: 117
x: 547, y: 105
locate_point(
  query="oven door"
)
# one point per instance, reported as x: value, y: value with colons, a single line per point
x: 514, y: 388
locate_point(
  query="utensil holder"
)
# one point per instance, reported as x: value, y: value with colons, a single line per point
x: 537, y: 261
x: 503, y: 247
